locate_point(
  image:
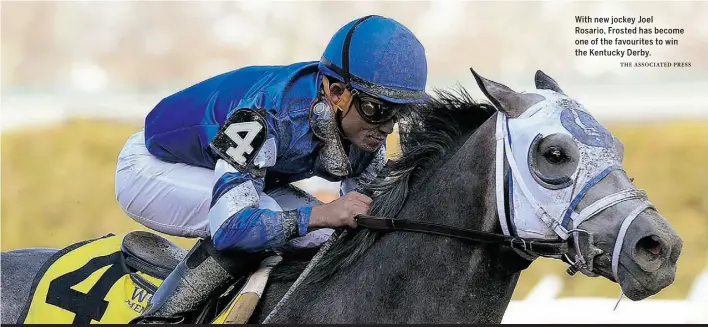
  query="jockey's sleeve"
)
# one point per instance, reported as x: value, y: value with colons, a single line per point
x: 368, y: 175
x: 236, y: 219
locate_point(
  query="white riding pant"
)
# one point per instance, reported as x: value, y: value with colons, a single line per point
x: 174, y: 198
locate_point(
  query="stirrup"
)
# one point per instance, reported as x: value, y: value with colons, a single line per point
x: 203, y: 273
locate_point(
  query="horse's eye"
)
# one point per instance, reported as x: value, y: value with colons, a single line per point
x: 556, y: 156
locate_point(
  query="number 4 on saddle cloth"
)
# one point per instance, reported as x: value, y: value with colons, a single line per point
x: 110, y: 280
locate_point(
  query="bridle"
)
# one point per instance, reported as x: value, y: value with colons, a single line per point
x: 563, y: 225
x: 534, y: 247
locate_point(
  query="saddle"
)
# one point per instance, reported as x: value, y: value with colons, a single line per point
x: 151, y: 253
x: 111, y: 280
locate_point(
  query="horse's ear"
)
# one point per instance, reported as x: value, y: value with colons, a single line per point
x: 619, y: 146
x: 508, y: 101
x: 545, y: 82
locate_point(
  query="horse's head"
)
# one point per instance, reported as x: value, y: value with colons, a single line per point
x: 567, y: 181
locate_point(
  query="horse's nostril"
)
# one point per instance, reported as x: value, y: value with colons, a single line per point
x: 649, y: 246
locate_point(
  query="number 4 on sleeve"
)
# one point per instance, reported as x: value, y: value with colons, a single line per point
x: 240, y: 139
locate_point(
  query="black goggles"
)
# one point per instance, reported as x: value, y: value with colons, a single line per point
x: 372, y: 110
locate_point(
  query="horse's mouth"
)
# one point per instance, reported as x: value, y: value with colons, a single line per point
x: 636, y: 289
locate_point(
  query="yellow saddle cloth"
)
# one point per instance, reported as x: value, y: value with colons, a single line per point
x: 89, y: 283
x: 109, y: 281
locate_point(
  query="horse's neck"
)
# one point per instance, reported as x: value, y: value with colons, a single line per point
x: 468, y: 279
x: 415, y: 278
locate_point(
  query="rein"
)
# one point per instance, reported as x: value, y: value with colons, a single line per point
x: 556, y: 248
x: 542, y: 247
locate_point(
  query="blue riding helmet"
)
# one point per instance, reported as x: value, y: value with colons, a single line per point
x: 378, y: 56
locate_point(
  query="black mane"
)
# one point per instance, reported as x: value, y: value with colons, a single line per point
x: 427, y: 133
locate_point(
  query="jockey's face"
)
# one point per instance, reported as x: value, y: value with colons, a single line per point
x: 362, y: 134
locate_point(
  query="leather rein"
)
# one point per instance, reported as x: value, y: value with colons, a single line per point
x: 557, y: 248
x: 541, y: 247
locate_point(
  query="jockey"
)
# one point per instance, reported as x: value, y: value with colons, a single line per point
x: 216, y: 160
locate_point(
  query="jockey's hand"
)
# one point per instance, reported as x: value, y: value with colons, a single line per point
x: 340, y: 212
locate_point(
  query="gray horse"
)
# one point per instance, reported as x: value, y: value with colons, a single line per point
x: 532, y: 167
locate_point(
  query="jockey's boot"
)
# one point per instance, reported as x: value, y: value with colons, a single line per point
x: 200, y: 275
